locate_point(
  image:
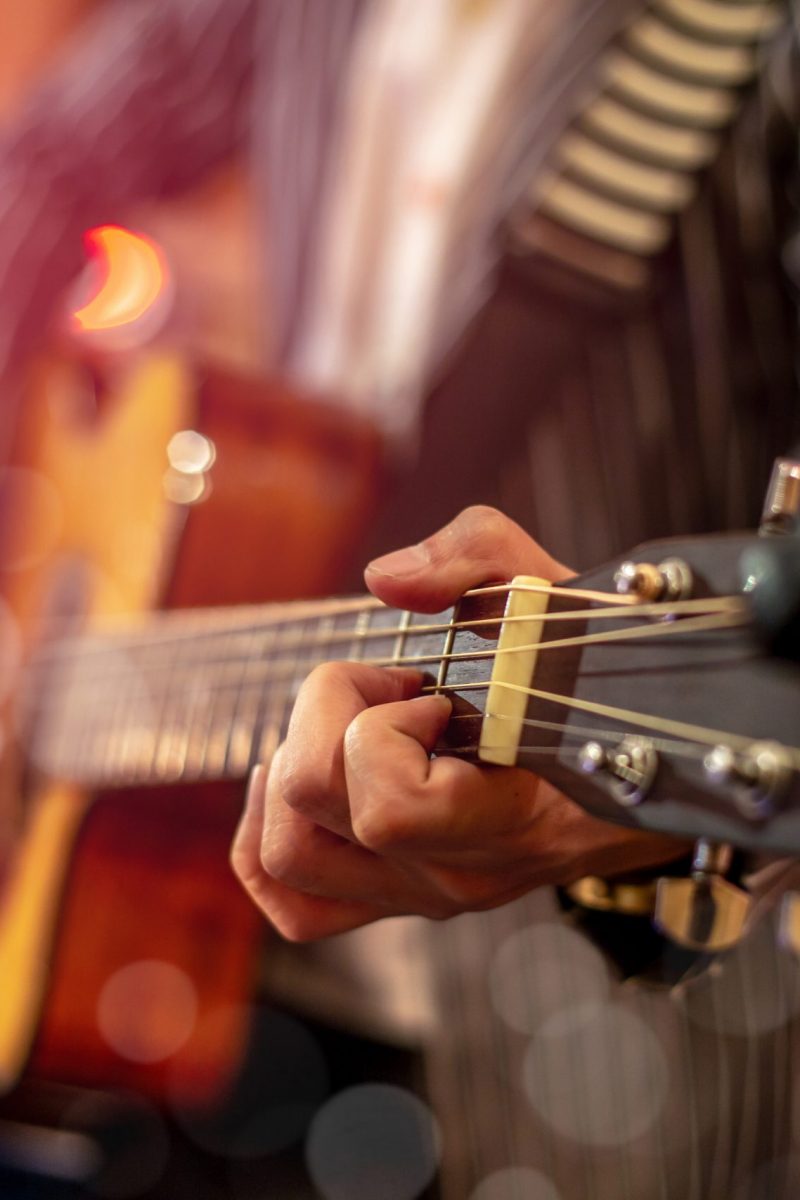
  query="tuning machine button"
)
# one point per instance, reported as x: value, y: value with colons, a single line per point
x: 630, y: 766
x: 704, y: 912
x: 757, y: 777
x: 671, y: 580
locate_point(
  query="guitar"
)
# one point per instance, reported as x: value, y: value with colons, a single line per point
x: 179, y: 490
x: 642, y: 689
x: 568, y: 680
x: 118, y: 715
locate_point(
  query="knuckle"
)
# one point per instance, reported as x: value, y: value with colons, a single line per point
x: 300, y: 783
x: 481, y: 528
x: 479, y: 533
x: 279, y: 859
x: 381, y: 829
x: 360, y: 738
x: 466, y: 890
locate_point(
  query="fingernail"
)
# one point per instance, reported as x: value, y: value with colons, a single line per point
x: 401, y: 562
x: 444, y: 702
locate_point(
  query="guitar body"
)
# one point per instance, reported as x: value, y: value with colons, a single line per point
x: 127, y: 950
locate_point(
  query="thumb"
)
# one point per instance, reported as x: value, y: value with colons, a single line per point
x: 480, y: 545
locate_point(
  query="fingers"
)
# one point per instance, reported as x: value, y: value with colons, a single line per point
x: 422, y: 806
x: 297, y: 915
x: 480, y: 545
x: 311, y: 767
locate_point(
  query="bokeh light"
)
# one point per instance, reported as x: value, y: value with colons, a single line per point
x: 147, y: 1010
x: 373, y: 1140
x: 516, y: 1183
x: 129, y: 273
x: 527, y: 975
x: 596, y: 1073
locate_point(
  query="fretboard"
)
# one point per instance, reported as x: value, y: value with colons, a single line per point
x: 205, y: 695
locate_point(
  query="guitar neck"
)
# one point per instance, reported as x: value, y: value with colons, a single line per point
x: 204, y: 695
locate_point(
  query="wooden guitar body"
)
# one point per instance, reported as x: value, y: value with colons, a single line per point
x: 127, y: 951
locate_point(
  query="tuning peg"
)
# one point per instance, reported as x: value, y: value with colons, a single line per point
x: 704, y: 912
x: 782, y: 502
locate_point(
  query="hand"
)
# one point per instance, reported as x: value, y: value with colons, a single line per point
x: 353, y: 821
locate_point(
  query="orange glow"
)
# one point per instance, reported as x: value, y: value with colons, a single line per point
x: 132, y: 273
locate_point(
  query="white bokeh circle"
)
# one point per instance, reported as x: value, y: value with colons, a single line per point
x: 597, y: 1074
x: 535, y: 968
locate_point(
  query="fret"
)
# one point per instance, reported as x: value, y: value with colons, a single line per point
x: 475, y: 639
x: 386, y: 646
x: 266, y: 729
x: 109, y: 728
x: 198, y: 725
x: 198, y: 697
x: 447, y: 618
x: 360, y: 630
x: 297, y: 674
x: 119, y: 719
x: 400, y: 641
x: 177, y: 690
x: 225, y: 693
x: 245, y: 712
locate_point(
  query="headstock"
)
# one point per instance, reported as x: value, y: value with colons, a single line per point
x: 671, y: 715
x: 661, y: 691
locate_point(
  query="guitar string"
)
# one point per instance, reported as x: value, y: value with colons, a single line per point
x: 688, y: 625
x: 667, y: 629
x: 88, y: 644
x: 681, y: 729
x: 667, y: 745
x: 627, y: 715
x: 86, y: 703
x: 172, y: 760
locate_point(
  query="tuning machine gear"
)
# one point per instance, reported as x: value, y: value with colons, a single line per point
x: 704, y: 912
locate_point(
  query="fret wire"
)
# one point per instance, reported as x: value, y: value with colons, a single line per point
x: 447, y: 648
x: 400, y: 640
x: 266, y: 731
x: 243, y: 727
x: 224, y: 715
x: 360, y: 631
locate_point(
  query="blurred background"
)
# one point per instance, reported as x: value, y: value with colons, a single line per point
x: 283, y: 286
